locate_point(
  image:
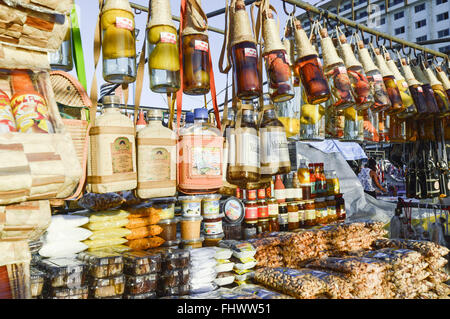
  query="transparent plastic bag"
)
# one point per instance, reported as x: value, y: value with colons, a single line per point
x: 101, y: 201
x: 395, y: 227
x: 104, y: 242
x: 117, y: 223
x: 109, y: 233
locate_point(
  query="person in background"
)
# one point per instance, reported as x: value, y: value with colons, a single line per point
x: 368, y: 178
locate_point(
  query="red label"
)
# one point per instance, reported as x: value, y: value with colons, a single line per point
x: 251, y: 194
x: 263, y: 211
x: 124, y: 23
x: 249, y: 52
x: 261, y: 193
x: 167, y: 37
x: 419, y: 89
x: 201, y: 45
x: 251, y: 212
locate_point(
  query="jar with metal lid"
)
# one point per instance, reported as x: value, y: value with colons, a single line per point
x: 274, y: 224
x: 293, y: 220
x: 301, y: 213
x: 263, y: 225
x: 331, y: 209
x: 332, y: 183
x: 251, y: 210
x: 250, y: 229
x: 263, y: 210
x: 310, y: 213
x: 283, y: 216
x: 321, y: 210
x: 251, y: 194
x: 340, y: 208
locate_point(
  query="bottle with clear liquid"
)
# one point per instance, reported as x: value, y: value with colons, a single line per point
x: 354, y: 125
x: 312, y: 120
x: 304, y: 179
x: 118, y: 42
x: 439, y: 92
x: 62, y: 59
x: 228, y: 152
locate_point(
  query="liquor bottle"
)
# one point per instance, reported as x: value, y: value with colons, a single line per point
x: 432, y: 106
x: 304, y: 179
x: 141, y: 123
x: 279, y: 190
x: 417, y: 92
x: 444, y: 80
x: 228, y: 152
x: 439, y: 92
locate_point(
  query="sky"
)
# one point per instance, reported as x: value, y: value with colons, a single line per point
x: 87, y: 14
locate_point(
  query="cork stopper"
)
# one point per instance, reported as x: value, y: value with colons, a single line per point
x: 347, y: 54
x: 393, y: 67
x: 428, y: 72
x: 443, y: 78
x: 241, y: 30
x: 196, y: 22
x: 118, y: 5
x: 365, y: 58
x: 161, y: 13
x: 381, y: 62
x: 329, y: 53
x: 304, y: 46
x: 271, y: 33
x: 409, y: 75
x: 418, y: 73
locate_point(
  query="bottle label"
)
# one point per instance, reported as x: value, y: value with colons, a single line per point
x: 331, y: 210
x: 201, y: 45
x: 283, y: 219
x: 7, y: 123
x: 310, y: 214
x: 31, y: 114
x: 298, y: 193
x: 206, y: 161
x: 263, y: 211
x: 167, y: 37
x: 274, y: 146
x: 233, y: 210
x: 231, y: 138
x: 213, y: 228
x: 273, y: 209
x: 122, y: 155
x: 251, y: 194
x: 250, y: 52
x: 377, y: 77
x: 419, y: 89
x: 321, y: 212
x: 280, y: 194
x: 247, y: 149
x: 251, y: 212
x: 291, y: 192
x: 124, y: 23
x: 157, y: 166
x: 293, y: 217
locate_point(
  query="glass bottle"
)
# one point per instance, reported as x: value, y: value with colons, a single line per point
x: 333, y: 187
x: 303, y: 176
x: 309, y: 67
x: 439, y: 92
x: 312, y: 120
x: 383, y: 131
x: 353, y: 127
x: 310, y: 213
x: 228, y: 152
x: 283, y: 217
x: 297, y: 187
x: 247, y: 165
x: 444, y: 80
x: 323, y: 180
x: 390, y: 83
x: 293, y: 218
x: 432, y: 106
x: 336, y: 73
x: 279, y: 190
x: 416, y: 90
x: 289, y: 44
x: 118, y: 42
x: 141, y: 123
x: 313, y: 180
x: 289, y: 187
x: 321, y: 210
x: 288, y: 114
x: 200, y: 156
x: 361, y: 87
x: 273, y: 145
x: 62, y: 59
x: 340, y: 208
x: 163, y: 50
x: 370, y: 126
x: 334, y: 123
x: 397, y: 130
x: 382, y: 101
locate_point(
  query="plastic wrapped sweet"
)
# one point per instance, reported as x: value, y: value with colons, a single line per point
x: 147, y: 295
x: 81, y: 292
x: 63, y: 272
x: 224, y: 265
x: 174, y: 278
x: 141, y: 263
x: 244, y: 263
x: 103, y: 264
x: 175, y: 259
x: 136, y: 285
x: 59, y: 222
x: 224, y: 278
x: 36, y: 282
x: 202, y: 288
x: 60, y: 249
x: 109, y: 233
x: 92, y: 244
x: 101, y: 201
x: 145, y: 243
x: 202, y: 276
x: 106, y: 287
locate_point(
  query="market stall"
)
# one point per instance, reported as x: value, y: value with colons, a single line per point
x: 253, y: 198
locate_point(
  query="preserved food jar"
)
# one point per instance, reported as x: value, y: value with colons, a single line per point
x: 212, y: 240
x: 331, y: 209
x: 301, y: 214
x: 416, y: 90
x: 303, y: 176
x: 353, y: 126
x: 310, y: 213
x: 156, y: 159
x: 378, y: 88
x: 309, y: 67
x: 251, y: 194
x: 273, y: 145
x: 213, y: 225
x: 250, y: 229
x: 390, y: 83
x: 274, y: 224
x: 293, y: 218
x: 62, y: 59
x: 312, y: 120
x: 210, y: 205
x: 321, y: 210
x: 313, y: 180
x: 288, y: 114
x: 263, y: 225
x: 190, y: 227
x: 112, y: 167
x: 191, y: 205
x: 272, y: 206
x: 332, y: 183
x: 169, y: 226
x: 163, y: 51
x: 251, y: 210
x: 263, y: 209
x: 261, y: 193
x: 361, y: 87
x: 118, y: 42
x: 283, y: 216
x: 200, y: 151
x: 336, y: 73
x: 340, y: 208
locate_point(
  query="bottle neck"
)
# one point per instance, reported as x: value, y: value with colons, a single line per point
x: 270, y: 114
x: 200, y: 121
x: 155, y: 120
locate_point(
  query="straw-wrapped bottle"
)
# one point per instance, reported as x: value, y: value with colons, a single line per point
x: 432, y: 106
x: 416, y: 90
x: 289, y: 45
x: 439, y: 92
x: 444, y: 80
x: 118, y: 42
x: 382, y: 101
x: 163, y: 54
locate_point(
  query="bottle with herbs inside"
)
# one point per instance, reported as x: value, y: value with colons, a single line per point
x: 336, y: 72
x: 439, y: 91
x: 163, y: 51
x: 382, y: 101
x: 309, y: 67
x: 195, y: 49
x: 247, y: 165
x: 432, y: 106
x: 118, y: 42
x: 312, y: 120
x: 390, y: 83
x: 444, y: 80
x: 417, y: 93
x: 353, y: 127
x: 289, y: 44
x: 361, y: 87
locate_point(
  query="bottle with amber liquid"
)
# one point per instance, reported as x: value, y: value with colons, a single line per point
x: 309, y: 68
x: 439, y: 92
x: 313, y: 180
x: 390, y: 83
x: 304, y: 180
x: 279, y: 190
x: 416, y: 90
x: 444, y: 80
x: 196, y: 66
x: 432, y: 106
x: 228, y: 152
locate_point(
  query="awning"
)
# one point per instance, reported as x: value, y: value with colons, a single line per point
x: 350, y: 151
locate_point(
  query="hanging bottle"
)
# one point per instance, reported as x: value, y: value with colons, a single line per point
x: 361, y: 87
x: 432, y: 106
x: 195, y: 48
x: 156, y: 159
x: 304, y: 180
x: 288, y: 113
x: 444, y: 80
x: 312, y: 120
x: 200, y: 156
x: 113, y: 150
x: 163, y: 51
x: 407, y: 100
x: 382, y: 101
x: 383, y: 127
x: 309, y: 67
x: 370, y: 126
x: 274, y: 152
x: 439, y: 92
x: 279, y: 190
x: 28, y: 106
x: 416, y: 90
x: 118, y: 42
x: 397, y: 130
x: 62, y: 59
x: 228, y: 151
x: 276, y: 60
x: 390, y: 83
x: 244, y: 54
x: 289, y: 45
x: 353, y: 126
x: 336, y: 72
x: 246, y: 168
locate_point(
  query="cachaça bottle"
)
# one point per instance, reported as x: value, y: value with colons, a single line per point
x: 361, y: 87
x: 382, y: 101
x: 432, y: 106
x: 228, y: 151
x: 309, y: 68
x: 304, y: 179
x: 163, y: 51
x: 416, y: 90
x: 444, y: 80
x: 118, y: 42
x: 312, y: 120
x: 289, y: 45
x: 439, y: 92
x: 141, y: 123
x: 397, y: 130
x: 353, y: 126
x: 336, y: 72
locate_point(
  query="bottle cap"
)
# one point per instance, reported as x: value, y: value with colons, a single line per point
x: 189, y: 117
x: 155, y: 113
x: 110, y: 100
x: 201, y: 114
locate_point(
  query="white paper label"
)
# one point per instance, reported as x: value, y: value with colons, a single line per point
x: 124, y: 23
x: 231, y: 146
x: 378, y: 77
x: 280, y: 194
x: 274, y: 147
x: 201, y: 45
x: 419, y: 89
x: 342, y: 69
x: 405, y: 85
x: 167, y: 37
x: 250, y: 52
x: 248, y: 149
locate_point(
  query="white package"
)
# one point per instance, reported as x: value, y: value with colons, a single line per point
x: 67, y: 221
x: 62, y: 249
x: 67, y: 234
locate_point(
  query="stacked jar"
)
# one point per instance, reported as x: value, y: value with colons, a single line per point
x: 321, y: 210
x: 212, y: 220
x: 191, y: 219
x: 272, y: 206
x: 233, y: 214
x: 174, y: 277
x: 250, y: 227
x: 169, y: 231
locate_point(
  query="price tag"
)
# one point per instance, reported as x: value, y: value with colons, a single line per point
x: 167, y: 37
x: 342, y: 69
x: 249, y: 52
x: 124, y: 23
x: 419, y: 89
x: 201, y: 45
x: 378, y: 77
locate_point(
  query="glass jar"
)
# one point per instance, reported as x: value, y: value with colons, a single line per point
x: 274, y: 225
x: 361, y: 86
x: 332, y: 183
x: 250, y: 229
x: 310, y: 213
x: 370, y: 126
x: 293, y: 218
x: 279, y: 76
x: 313, y: 180
x: 394, y: 95
x: 313, y: 79
x: 304, y: 180
x: 251, y: 210
x: 251, y: 194
x: 288, y: 113
x: 272, y: 206
x: 331, y: 209
x: 354, y: 126
x: 245, y: 70
x: 263, y: 209
x: 196, y: 68
x: 340, y: 208
x: 283, y: 216
x: 301, y: 214
x: 321, y: 210
x: 342, y: 96
x: 312, y: 122
x: 263, y: 225
x: 334, y: 123
x: 118, y: 42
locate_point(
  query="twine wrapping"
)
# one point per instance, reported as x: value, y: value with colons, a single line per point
x: 393, y: 67
x: 428, y: 72
x: 329, y: 53
x: 443, y: 78
x: 241, y: 30
x: 270, y: 31
x: 117, y: 5
x: 381, y: 62
x: 196, y: 21
x: 348, y: 55
x: 365, y: 58
x: 161, y: 14
x: 304, y: 46
x: 409, y: 75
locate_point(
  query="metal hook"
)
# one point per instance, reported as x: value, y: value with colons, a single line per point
x: 137, y: 11
x: 289, y: 13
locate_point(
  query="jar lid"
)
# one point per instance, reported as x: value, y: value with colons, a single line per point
x: 169, y: 221
x: 192, y: 241
x: 171, y: 243
x: 212, y: 237
x: 262, y: 201
x: 250, y: 202
x: 191, y: 218
x: 233, y: 210
x: 155, y: 113
x: 190, y: 198
x: 292, y: 203
x: 111, y: 100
